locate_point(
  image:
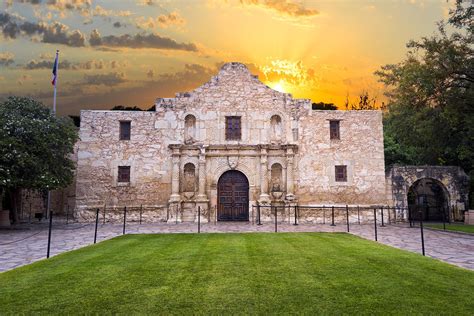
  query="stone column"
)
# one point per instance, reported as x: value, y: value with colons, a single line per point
x: 175, y: 158
x: 264, y: 197
x: 202, y: 175
x: 289, y: 174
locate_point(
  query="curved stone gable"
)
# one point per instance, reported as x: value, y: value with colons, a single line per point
x: 234, y: 87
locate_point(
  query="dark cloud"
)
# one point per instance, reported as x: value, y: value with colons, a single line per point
x: 55, y: 33
x: 109, y: 79
x: 6, y: 59
x: 139, y: 41
x: 118, y: 24
x: 65, y: 64
x: 285, y: 7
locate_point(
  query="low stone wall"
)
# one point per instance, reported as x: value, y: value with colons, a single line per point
x: 313, y: 215
x: 116, y: 215
x: 469, y: 217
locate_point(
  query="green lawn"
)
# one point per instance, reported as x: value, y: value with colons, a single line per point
x: 454, y: 227
x: 300, y: 273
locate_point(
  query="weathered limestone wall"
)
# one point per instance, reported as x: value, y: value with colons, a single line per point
x: 100, y: 152
x: 284, y: 151
x: 360, y: 148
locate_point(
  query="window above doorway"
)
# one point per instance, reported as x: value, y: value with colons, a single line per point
x: 233, y: 128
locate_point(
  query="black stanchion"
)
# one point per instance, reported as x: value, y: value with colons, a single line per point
x: 199, y: 219
x: 96, y: 223
x: 67, y: 214
x: 444, y: 218
x: 276, y: 219
x: 332, y: 216
x: 295, y: 216
x: 258, y: 214
x: 375, y: 224
x: 347, y: 217
x: 49, y: 232
x: 124, y: 218
x: 105, y: 207
x: 388, y: 210
x: 358, y: 214
x: 141, y: 211
x: 422, y: 235
x: 324, y: 215
x: 381, y: 211
x: 410, y: 217
x: 29, y: 220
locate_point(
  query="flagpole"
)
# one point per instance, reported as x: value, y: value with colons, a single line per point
x: 56, y: 65
x: 56, y: 82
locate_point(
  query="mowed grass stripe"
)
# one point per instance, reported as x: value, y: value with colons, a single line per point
x: 238, y: 274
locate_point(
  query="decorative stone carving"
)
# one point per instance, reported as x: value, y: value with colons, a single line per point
x: 189, y: 129
x: 233, y: 161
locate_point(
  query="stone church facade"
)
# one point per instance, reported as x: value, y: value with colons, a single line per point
x: 225, y: 147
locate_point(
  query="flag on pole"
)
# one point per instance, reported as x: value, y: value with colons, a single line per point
x: 55, y: 71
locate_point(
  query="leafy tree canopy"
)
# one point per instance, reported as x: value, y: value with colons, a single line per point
x: 34, y: 146
x: 431, y: 112
x: 323, y: 106
x: 125, y: 108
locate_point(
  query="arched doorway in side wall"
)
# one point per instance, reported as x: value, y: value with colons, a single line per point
x: 233, y: 197
x: 428, y: 199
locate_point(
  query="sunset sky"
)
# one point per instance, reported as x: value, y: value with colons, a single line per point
x: 129, y: 52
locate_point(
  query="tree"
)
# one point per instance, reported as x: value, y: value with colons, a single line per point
x: 323, y: 106
x: 431, y: 109
x: 34, y: 149
x: 365, y: 103
x: 125, y: 108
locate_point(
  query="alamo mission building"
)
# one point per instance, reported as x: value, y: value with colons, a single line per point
x: 226, y: 146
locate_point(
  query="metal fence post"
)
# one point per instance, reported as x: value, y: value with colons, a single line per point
x: 295, y: 216
x: 381, y: 211
x: 388, y: 210
x: 199, y: 219
x: 276, y: 219
x: 422, y: 235
x: 375, y: 223
x: 324, y: 215
x: 29, y: 220
x: 49, y: 233
x: 358, y: 214
x: 444, y: 218
x: 332, y: 216
x: 96, y: 223
x: 258, y: 214
x: 124, y: 218
x: 67, y: 214
x: 410, y: 217
x: 105, y: 207
x: 347, y: 217
x: 141, y: 211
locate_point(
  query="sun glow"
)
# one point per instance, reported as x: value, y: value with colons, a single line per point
x: 279, y: 86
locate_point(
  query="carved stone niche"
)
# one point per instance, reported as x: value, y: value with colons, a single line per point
x: 189, y: 181
x: 276, y: 181
x: 275, y: 129
x: 189, y: 129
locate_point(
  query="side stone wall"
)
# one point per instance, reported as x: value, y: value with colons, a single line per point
x: 360, y: 148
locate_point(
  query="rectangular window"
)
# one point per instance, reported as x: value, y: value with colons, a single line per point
x: 341, y: 173
x: 124, y: 174
x: 334, y: 130
x: 232, y: 128
x: 125, y: 127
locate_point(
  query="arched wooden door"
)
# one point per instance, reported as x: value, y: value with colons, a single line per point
x: 233, y: 197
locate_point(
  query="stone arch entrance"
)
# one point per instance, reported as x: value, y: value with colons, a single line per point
x: 453, y: 180
x: 233, y: 197
x: 428, y: 199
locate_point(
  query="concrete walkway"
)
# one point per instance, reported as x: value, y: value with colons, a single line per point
x: 28, y: 243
